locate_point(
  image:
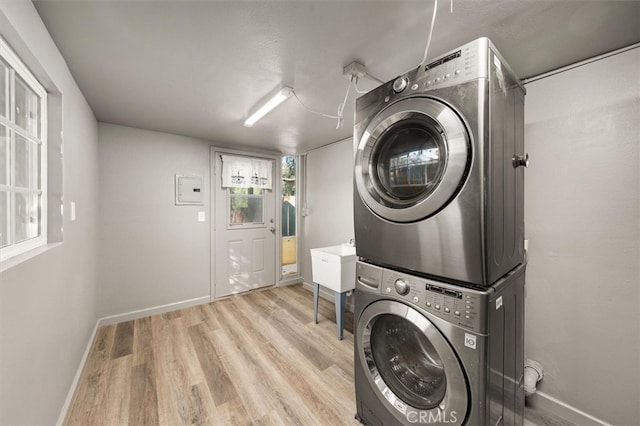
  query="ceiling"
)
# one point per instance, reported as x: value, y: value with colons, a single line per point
x: 197, y: 68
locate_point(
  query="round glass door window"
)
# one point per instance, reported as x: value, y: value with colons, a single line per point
x: 409, y: 160
x: 408, y: 362
x: 412, y: 159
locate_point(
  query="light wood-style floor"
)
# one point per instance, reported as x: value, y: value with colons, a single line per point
x: 251, y: 359
x: 257, y: 358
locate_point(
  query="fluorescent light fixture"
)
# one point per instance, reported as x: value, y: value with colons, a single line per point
x: 279, y: 97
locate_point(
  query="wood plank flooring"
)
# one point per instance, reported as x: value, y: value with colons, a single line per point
x: 253, y: 359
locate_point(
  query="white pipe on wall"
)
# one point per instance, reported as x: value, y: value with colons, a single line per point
x: 533, y: 373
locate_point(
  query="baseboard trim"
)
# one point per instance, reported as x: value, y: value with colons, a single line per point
x: 141, y: 313
x: 554, y: 406
x: 76, y: 379
x: 289, y: 281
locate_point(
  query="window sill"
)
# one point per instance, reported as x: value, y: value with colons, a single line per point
x: 20, y: 258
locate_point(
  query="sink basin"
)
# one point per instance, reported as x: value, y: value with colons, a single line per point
x: 342, y: 251
x: 334, y: 267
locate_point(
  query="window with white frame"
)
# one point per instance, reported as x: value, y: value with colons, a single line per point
x: 23, y: 157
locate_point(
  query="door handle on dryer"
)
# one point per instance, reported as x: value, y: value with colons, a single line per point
x: 520, y: 160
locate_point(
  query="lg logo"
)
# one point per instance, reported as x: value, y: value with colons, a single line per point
x: 470, y: 340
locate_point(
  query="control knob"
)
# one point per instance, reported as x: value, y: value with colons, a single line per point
x: 401, y: 286
x: 400, y: 84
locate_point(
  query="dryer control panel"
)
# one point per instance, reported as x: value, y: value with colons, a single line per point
x: 458, y: 305
x: 467, y: 63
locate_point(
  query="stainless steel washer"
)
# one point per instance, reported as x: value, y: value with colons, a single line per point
x: 428, y: 352
x: 437, y: 169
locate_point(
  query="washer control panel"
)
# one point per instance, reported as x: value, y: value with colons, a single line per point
x: 401, y: 286
x: 458, y: 305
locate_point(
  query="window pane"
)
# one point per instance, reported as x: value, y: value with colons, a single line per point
x: 288, y: 196
x: 245, y: 191
x: 245, y: 210
x: 4, y: 219
x: 27, y: 107
x: 27, y: 160
x: 4, y: 89
x: 4, y: 155
x: 22, y: 145
x: 289, y: 244
x: 27, y: 214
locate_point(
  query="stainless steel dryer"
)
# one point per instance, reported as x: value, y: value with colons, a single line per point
x: 437, y: 168
x: 432, y: 353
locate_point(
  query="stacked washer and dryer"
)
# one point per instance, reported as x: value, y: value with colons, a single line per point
x: 439, y: 301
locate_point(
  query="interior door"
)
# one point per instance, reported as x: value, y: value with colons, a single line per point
x: 244, y: 252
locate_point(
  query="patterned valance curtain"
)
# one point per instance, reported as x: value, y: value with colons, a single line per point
x: 246, y: 172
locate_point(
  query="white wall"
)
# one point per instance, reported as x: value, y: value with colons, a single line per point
x: 48, y: 304
x: 583, y: 224
x: 152, y: 252
x: 329, y: 186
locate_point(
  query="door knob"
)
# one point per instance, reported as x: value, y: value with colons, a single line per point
x: 520, y: 160
x: 273, y: 230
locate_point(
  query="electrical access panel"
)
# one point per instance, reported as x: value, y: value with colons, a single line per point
x: 189, y: 190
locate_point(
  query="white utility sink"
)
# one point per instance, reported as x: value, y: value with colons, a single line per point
x: 334, y: 267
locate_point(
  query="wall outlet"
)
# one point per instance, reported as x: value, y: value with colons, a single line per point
x: 201, y: 217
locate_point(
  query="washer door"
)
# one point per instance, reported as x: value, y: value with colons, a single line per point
x: 412, y: 159
x: 410, y: 365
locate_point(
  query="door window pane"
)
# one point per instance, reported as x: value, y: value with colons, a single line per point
x: 27, y: 160
x: 246, y: 206
x: 408, y: 362
x: 4, y: 219
x: 26, y: 109
x: 4, y: 155
x: 26, y: 216
x: 245, y: 191
x: 4, y: 89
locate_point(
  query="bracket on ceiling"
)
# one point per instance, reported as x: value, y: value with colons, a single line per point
x: 354, y: 70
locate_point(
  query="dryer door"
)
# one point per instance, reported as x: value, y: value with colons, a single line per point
x: 412, y: 159
x: 411, y: 366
